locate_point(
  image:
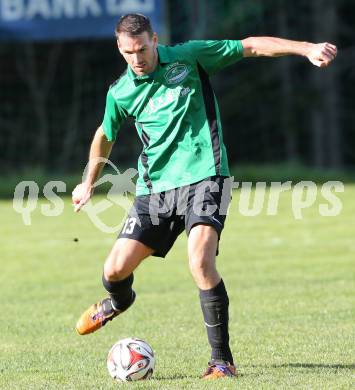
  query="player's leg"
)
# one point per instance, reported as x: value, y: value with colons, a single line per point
x: 202, y: 247
x: 139, y: 238
x: 117, y: 279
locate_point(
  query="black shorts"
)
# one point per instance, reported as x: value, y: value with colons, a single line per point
x: 156, y: 220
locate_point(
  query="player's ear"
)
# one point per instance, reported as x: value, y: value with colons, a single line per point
x: 155, y: 39
x: 118, y: 46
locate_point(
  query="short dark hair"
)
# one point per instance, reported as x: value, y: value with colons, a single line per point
x: 133, y: 24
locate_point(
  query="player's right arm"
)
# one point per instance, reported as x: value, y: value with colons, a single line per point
x: 100, y: 150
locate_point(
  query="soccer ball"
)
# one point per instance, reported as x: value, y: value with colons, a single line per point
x: 131, y: 359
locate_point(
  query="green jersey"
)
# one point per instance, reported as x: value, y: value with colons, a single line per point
x: 176, y: 114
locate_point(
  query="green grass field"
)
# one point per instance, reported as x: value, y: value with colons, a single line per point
x: 291, y: 285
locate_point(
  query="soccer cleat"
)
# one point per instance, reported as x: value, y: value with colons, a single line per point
x: 219, y: 369
x: 97, y: 315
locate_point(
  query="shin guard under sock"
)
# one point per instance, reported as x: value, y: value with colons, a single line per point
x: 214, y: 305
x: 121, y: 293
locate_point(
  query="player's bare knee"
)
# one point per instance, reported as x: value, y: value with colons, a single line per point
x: 201, y: 266
x: 109, y: 272
x: 114, y: 269
x: 113, y: 274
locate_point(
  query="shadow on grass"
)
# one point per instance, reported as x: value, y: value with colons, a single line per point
x: 173, y: 377
x: 178, y: 376
x: 335, y: 366
x: 317, y: 365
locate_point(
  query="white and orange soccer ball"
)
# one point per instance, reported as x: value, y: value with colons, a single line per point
x: 131, y: 359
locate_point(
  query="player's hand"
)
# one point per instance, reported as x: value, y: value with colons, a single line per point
x: 322, y: 54
x: 81, y: 194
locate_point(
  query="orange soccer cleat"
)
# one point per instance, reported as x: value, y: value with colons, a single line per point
x: 97, y: 315
x: 219, y: 369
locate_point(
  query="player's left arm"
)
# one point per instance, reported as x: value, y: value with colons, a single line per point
x: 319, y: 54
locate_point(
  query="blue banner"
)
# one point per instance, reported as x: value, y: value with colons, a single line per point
x: 70, y: 19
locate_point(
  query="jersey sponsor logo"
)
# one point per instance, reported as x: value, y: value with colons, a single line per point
x: 155, y: 103
x: 176, y: 74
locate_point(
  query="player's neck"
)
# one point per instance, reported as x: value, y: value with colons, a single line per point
x: 155, y: 62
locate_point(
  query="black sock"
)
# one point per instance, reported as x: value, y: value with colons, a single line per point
x: 214, y: 305
x: 121, y: 292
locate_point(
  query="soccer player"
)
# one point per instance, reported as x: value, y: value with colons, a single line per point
x: 166, y: 89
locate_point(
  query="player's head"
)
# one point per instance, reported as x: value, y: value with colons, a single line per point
x: 137, y: 43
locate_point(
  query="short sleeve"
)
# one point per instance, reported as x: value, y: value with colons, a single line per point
x: 216, y: 55
x: 113, y: 118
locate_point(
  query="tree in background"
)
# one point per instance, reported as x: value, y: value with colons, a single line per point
x: 273, y: 110
x: 284, y: 110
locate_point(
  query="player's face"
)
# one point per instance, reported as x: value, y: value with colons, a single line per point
x: 139, y: 51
